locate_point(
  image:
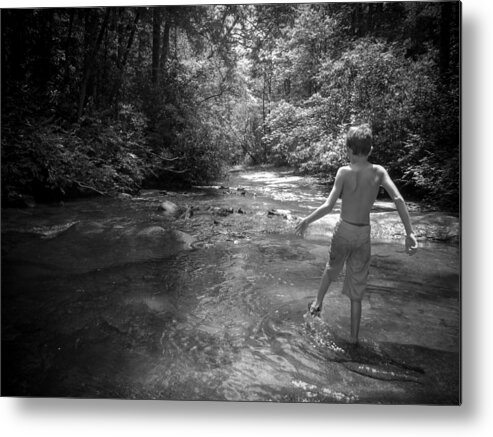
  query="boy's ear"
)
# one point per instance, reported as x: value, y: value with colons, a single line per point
x: 371, y: 150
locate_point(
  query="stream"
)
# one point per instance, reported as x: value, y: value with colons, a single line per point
x: 123, y: 298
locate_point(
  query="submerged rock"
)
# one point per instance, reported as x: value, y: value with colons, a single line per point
x: 19, y: 201
x: 124, y: 196
x: 48, y: 232
x: 169, y: 208
x: 173, y: 237
x: 221, y: 211
x: 29, y: 201
x: 182, y: 237
x: 91, y: 227
x: 152, y: 231
x: 278, y: 213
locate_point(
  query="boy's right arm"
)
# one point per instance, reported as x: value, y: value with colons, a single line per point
x: 395, y: 195
x: 326, y: 207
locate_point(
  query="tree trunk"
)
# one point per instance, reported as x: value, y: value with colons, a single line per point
x: 156, y: 33
x: 370, y: 17
x: 90, y: 64
x: 68, y: 45
x: 165, y: 47
x: 264, y: 116
x: 263, y: 105
x: 139, y: 52
x: 356, y: 22
x: 43, y: 64
x: 123, y: 62
x: 13, y: 48
x: 175, y: 43
x: 377, y: 17
x: 131, y: 38
x: 445, y: 16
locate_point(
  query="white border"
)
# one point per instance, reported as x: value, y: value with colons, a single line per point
x: 20, y: 417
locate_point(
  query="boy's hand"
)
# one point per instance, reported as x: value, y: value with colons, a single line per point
x: 411, y: 244
x: 301, y: 227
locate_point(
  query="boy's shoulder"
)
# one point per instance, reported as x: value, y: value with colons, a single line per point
x: 342, y: 173
x: 380, y: 169
x: 348, y: 169
x: 344, y: 169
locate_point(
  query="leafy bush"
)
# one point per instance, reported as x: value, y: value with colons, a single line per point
x: 49, y: 162
x: 414, y: 121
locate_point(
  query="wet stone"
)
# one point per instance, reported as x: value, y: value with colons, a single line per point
x: 168, y: 208
x: 124, y: 196
x: 152, y: 232
x: 222, y: 211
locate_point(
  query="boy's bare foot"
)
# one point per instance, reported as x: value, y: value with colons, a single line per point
x: 353, y: 340
x: 314, y: 310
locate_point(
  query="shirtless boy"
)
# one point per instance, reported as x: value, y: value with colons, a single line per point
x: 357, y: 184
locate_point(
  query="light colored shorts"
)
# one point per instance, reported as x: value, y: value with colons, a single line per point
x: 351, y: 245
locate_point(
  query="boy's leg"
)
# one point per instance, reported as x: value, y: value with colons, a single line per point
x: 322, y: 290
x: 337, y: 256
x: 355, y: 320
x: 357, y: 267
x: 331, y: 271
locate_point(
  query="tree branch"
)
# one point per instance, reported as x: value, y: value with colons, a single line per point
x: 212, y: 97
x: 172, y: 170
x: 80, y: 184
x: 177, y: 158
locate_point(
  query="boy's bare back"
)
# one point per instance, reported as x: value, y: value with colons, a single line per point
x: 357, y: 184
x: 360, y: 185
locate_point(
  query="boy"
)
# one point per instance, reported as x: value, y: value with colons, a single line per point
x: 357, y: 184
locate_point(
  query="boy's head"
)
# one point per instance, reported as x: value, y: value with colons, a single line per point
x: 359, y: 139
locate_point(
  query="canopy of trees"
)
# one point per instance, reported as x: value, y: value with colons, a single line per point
x: 106, y: 100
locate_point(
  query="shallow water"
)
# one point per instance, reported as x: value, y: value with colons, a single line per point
x: 112, y: 298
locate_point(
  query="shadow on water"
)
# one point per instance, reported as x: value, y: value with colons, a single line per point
x: 113, y: 299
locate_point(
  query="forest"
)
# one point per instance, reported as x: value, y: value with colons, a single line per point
x: 101, y: 101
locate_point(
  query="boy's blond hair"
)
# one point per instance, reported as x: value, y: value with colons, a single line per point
x: 359, y: 139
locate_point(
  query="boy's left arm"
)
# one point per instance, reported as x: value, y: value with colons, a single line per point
x: 389, y: 186
x: 326, y: 207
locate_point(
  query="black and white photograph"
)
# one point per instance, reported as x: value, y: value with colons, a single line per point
x: 232, y: 202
